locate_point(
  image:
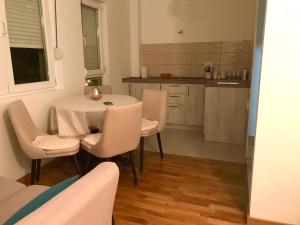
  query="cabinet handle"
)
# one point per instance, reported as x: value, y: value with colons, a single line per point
x: 188, y: 90
x: 173, y: 106
x: 174, y: 85
x: 173, y: 96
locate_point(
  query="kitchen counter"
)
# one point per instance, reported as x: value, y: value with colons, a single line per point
x: 190, y: 80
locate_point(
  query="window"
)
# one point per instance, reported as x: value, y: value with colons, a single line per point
x: 91, y: 23
x: 26, y: 41
x: 94, y: 81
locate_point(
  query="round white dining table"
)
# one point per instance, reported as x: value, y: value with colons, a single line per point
x: 72, y: 116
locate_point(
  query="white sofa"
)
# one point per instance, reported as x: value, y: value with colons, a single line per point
x: 89, y: 200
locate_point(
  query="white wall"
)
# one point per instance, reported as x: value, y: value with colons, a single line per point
x: 200, y: 20
x: 135, y: 36
x: 118, y: 21
x: 276, y: 174
x: 13, y: 163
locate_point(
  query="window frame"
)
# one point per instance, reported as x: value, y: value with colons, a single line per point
x: 100, y: 32
x: 7, y: 82
x: 4, y: 63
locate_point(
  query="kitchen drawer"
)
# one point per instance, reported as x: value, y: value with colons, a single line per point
x: 177, y: 99
x: 175, y: 88
x: 176, y: 114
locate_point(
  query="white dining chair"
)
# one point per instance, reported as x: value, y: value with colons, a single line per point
x: 154, y: 118
x: 88, y: 201
x: 38, y: 145
x: 121, y: 133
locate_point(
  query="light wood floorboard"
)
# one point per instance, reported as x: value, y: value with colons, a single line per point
x: 177, y: 190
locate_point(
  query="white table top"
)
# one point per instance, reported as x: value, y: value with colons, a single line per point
x: 84, y: 103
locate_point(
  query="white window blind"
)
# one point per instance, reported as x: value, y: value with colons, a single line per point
x: 90, y: 37
x: 24, y: 23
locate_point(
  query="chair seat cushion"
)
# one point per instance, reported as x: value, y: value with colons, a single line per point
x: 54, y: 142
x: 8, y: 188
x: 149, y: 127
x: 92, y: 139
x: 11, y: 205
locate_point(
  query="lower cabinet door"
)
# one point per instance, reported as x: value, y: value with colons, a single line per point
x: 136, y: 90
x: 176, y: 114
x: 151, y: 86
x: 126, y: 89
x: 195, y: 105
x: 225, y: 114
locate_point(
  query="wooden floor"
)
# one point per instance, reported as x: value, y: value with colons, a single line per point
x: 174, y: 191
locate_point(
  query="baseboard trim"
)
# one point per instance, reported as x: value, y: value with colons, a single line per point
x: 254, y: 221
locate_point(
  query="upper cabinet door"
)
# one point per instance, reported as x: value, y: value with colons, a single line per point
x: 195, y: 105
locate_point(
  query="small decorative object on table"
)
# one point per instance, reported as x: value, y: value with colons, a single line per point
x: 95, y: 94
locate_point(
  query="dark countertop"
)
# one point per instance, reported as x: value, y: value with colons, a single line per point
x: 189, y: 80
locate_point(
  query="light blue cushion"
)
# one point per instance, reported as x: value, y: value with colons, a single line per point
x: 40, y: 200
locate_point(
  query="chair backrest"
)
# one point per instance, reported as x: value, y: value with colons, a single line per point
x: 155, y: 106
x: 90, y: 201
x: 121, y: 131
x: 24, y: 128
x: 104, y: 89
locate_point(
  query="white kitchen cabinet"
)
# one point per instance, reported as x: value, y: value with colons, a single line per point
x: 175, y: 88
x: 195, y: 105
x: 176, y: 114
x: 151, y: 86
x: 176, y: 103
x: 225, y: 114
x: 126, y: 89
x: 136, y: 89
x: 177, y: 99
x: 221, y: 110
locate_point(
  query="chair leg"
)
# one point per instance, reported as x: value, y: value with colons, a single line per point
x: 88, y: 162
x: 38, y: 169
x: 142, y: 154
x: 33, y: 171
x: 113, y: 220
x: 159, y: 144
x: 132, y: 163
x: 77, y: 165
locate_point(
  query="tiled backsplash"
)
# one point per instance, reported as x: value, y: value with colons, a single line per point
x: 187, y: 59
